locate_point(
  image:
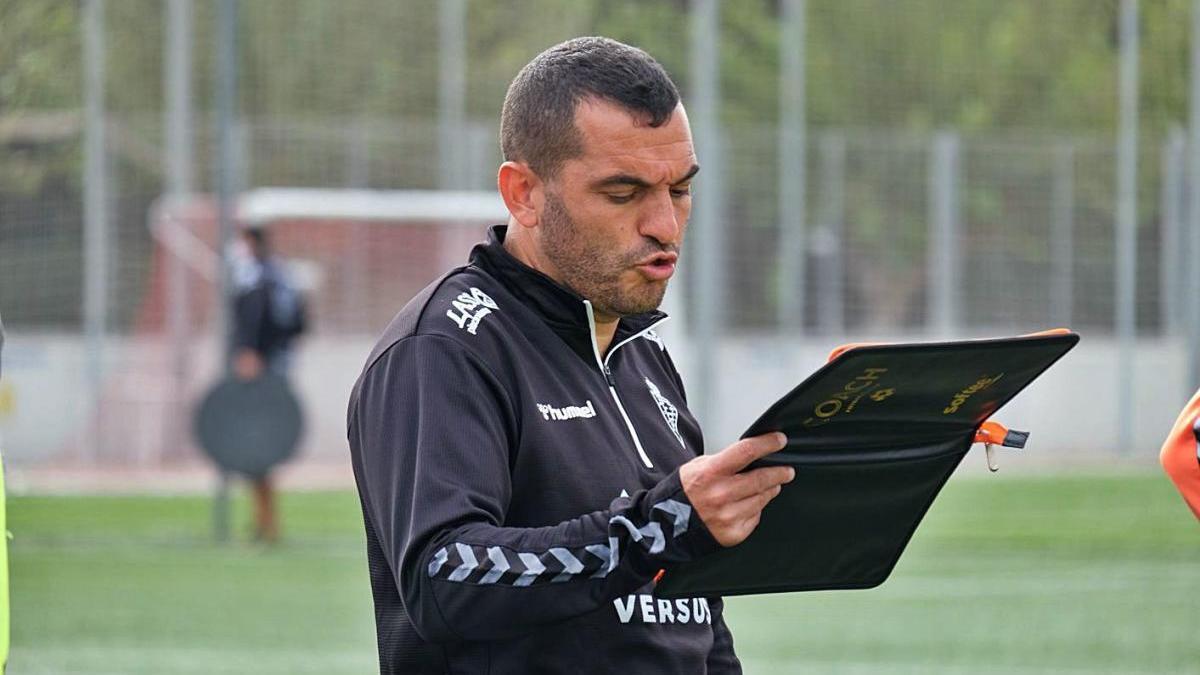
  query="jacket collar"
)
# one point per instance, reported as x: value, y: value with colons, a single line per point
x: 562, y: 309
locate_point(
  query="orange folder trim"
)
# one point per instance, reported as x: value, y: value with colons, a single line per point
x: 990, y: 432
x: 842, y: 349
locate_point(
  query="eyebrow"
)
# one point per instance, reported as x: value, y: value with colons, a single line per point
x: 634, y: 181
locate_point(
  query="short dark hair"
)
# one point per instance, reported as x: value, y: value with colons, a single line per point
x: 537, y: 125
x: 259, y: 240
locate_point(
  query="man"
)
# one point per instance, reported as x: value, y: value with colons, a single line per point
x: 520, y: 437
x: 268, y: 312
x: 268, y: 315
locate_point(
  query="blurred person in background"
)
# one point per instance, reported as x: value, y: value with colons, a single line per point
x: 269, y: 313
x: 520, y: 437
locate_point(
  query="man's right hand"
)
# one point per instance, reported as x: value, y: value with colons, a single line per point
x: 730, y: 503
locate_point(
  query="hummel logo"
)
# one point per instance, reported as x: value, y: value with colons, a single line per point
x: 570, y: 412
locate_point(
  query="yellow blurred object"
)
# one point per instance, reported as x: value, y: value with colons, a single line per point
x: 8, y: 399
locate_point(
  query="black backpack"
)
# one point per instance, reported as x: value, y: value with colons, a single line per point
x: 286, y: 311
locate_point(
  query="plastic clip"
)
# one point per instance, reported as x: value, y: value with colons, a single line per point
x: 992, y: 433
x: 991, y: 457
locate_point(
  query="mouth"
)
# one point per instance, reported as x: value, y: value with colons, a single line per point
x: 658, y: 267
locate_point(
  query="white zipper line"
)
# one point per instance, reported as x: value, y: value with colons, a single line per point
x: 637, y: 443
x: 631, y: 338
x: 587, y: 304
x: 628, y: 423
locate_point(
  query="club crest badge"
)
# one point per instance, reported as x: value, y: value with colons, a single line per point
x: 669, y: 412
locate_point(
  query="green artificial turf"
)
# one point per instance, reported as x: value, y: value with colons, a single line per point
x: 1007, y: 574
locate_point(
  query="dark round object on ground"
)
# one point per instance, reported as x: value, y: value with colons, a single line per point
x: 249, y: 427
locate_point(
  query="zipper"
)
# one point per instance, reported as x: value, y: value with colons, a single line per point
x: 604, y: 370
x: 627, y: 340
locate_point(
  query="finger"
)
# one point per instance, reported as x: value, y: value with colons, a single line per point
x: 759, y: 480
x: 747, y: 528
x: 739, y: 455
x: 752, y: 507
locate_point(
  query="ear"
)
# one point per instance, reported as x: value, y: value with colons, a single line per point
x: 522, y: 191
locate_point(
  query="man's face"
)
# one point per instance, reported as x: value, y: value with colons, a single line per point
x: 615, y: 216
x: 255, y: 247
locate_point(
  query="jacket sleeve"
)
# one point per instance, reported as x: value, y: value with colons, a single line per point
x: 435, y: 434
x: 721, y: 658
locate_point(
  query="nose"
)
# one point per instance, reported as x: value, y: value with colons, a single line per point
x: 661, y: 221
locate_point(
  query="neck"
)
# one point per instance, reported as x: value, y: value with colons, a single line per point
x: 519, y: 242
x: 606, y: 328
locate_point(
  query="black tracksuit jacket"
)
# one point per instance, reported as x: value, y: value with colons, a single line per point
x: 520, y: 490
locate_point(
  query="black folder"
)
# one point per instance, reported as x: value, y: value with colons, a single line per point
x: 874, y: 435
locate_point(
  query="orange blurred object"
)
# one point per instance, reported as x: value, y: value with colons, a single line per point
x: 1180, y: 457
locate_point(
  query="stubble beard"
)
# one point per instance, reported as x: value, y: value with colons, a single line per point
x: 592, y: 267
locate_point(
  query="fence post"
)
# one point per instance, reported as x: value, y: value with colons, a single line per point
x: 179, y: 149
x: 452, y: 85
x: 945, y: 254
x: 707, y: 270
x: 1062, y: 235
x: 227, y: 170
x: 830, y: 238
x: 792, y: 272
x: 1193, y: 211
x: 356, y: 257
x: 178, y: 164
x: 95, y: 215
x: 1171, y: 248
x: 1126, y: 230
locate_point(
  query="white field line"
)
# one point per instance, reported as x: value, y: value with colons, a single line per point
x: 1098, y: 577
x: 139, y: 547
x: 840, y: 666
x: 124, y: 660
x: 989, y: 586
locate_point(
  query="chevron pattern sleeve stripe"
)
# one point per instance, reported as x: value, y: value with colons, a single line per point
x: 483, y: 565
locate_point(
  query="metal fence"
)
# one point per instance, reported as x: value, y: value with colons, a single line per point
x: 871, y: 169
